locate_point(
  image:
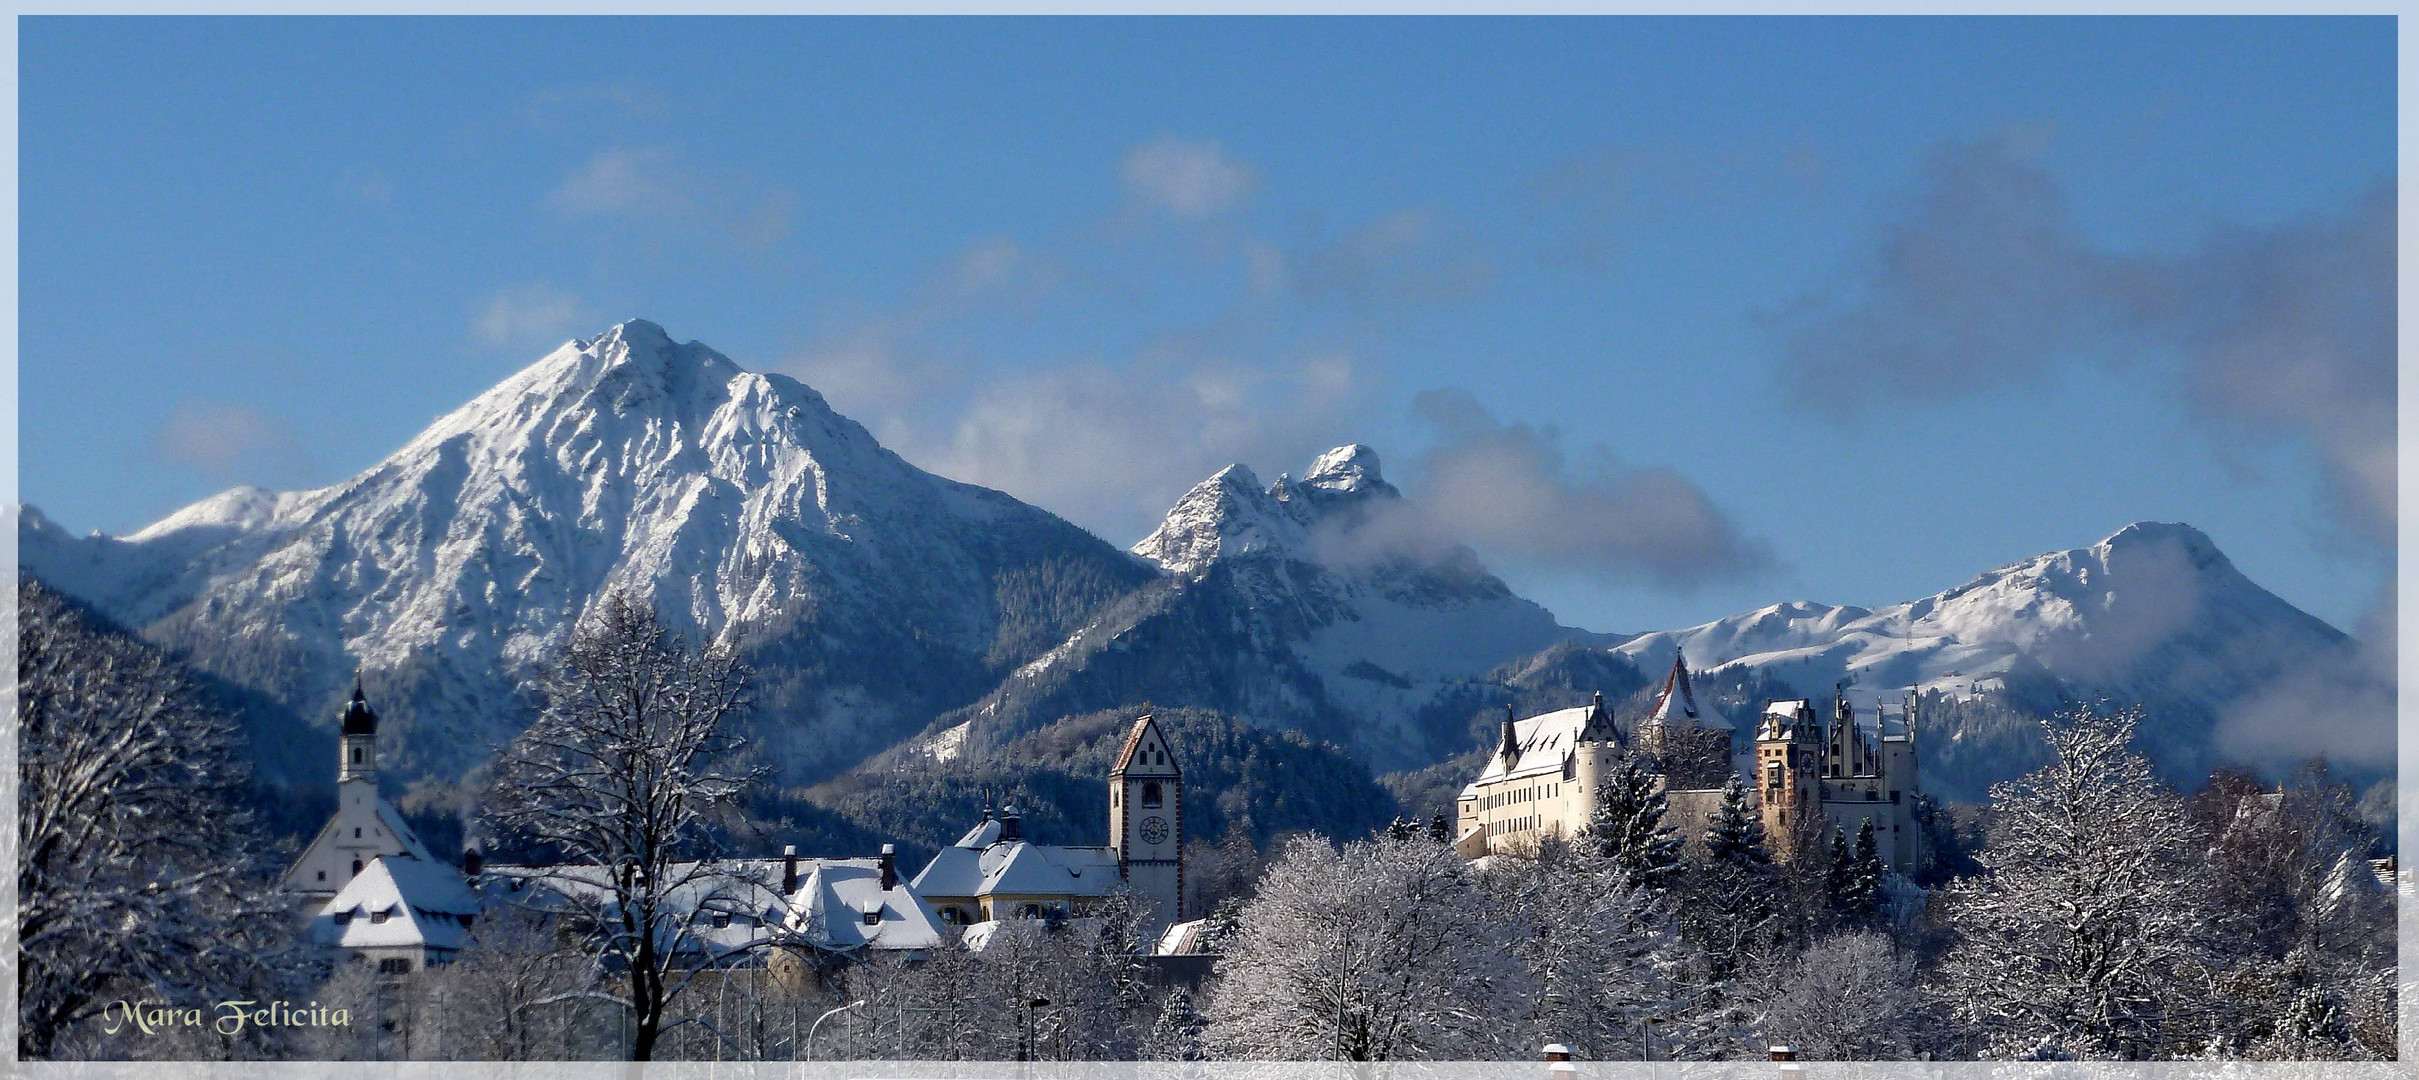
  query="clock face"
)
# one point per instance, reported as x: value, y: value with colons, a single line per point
x: 1154, y: 830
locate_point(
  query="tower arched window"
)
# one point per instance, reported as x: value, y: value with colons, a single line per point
x: 356, y: 755
x: 1150, y: 794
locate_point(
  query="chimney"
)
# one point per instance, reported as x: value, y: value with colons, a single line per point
x: 472, y: 861
x: 789, y: 869
x: 1011, y: 825
x: 890, y: 867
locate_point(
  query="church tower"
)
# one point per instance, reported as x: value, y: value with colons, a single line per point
x: 357, y: 741
x: 1146, y: 823
x: 364, y: 827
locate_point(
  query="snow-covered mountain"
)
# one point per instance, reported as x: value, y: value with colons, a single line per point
x: 1272, y: 611
x: 2154, y: 613
x: 869, y: 594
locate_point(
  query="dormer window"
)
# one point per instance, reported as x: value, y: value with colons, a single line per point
x: 342, y: 918
x: 873, y: 916
x: 377, y: 917
x: 722, y: 919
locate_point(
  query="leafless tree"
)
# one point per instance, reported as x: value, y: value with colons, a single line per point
x: 138, y: 875
x: 617, y: 777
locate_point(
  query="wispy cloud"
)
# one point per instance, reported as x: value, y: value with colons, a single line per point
x: 531, y: 314
x: 653, y: 184
x: 225, y: 442
x: 1510, y: 491
x: 1415, y: 256
x: 1985, y: 281
x: 1186, y: 178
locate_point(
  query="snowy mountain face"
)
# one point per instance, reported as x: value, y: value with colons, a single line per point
x: 1259, y: 618
x: 2154, y: 613
x: 868, y: 594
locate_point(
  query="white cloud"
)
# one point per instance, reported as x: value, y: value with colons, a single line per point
x: 1111, y: 447
x: 1187, y: 179
x: 528, y: 315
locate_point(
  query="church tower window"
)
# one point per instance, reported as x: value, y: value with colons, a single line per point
x: 1150, y: 794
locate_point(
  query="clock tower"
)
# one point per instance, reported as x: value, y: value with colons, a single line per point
x: 1146, y: 824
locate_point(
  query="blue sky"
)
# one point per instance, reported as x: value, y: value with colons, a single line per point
x: 1669, y: 318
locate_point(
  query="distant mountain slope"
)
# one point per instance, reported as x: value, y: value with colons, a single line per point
x: 869, y: 594
x: 2155, y: 614
x: 1270, y: 614
x: 1254, y: 781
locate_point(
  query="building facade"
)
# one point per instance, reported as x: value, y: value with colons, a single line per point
x: 1842, y: 774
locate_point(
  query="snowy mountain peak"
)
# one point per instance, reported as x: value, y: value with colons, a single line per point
x: 1347, y: 470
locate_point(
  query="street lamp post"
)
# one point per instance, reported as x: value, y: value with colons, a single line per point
x: 827, y: 1014
x: 1024, y: 1049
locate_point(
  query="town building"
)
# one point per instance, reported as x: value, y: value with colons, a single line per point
x: 400, y: 913
x: 995, y: 872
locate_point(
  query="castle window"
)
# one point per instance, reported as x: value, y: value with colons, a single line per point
x: 394, y: 965
x: 1150, y: 795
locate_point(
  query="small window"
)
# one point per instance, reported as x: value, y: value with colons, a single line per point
x: 394, y: 965
x: 1150, y: 795
x: 342, y: 917
x: 377, y: 917
x: 1033, y: 911
x: 722, y: 919
x: 873, y: 917
x: 323, y: 875
x: 356, y: 866
x: 356, y: 755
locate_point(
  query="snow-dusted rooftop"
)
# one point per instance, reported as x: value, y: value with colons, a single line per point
x: 398, y: 901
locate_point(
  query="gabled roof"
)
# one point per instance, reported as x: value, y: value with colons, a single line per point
x: 1542, y: 742
x: 403, y: 833
x: 1678, y: 702
x: 832, y: 899
x: 1135, y: 738
x: 399, y: 902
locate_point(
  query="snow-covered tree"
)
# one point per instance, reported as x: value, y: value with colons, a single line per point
x: 2084, y: 934
x: 1847, y: 997
x: 617, y: 777
x: 1627, y: 825
x: 1600, y: 952
x: 511, y: 995
x: 1380, y: 951
x: 138, y: 875
x: 1176, y: 1034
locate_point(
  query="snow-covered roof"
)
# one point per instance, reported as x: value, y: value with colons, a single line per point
x: 403, y: 833
x: 830, y: 905
x: 981, y: 864
x: 398, y: 901
x: 1677, y: 704
x: 1183, y: 939
x: 983, y: 935
x: 1543, y: 741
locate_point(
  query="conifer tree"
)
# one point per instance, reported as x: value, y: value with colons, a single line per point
x: 1627, y: 826
x: 1860, y: 898
x: 1735, y: 832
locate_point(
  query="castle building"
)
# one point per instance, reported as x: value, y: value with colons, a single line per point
x: 365, y: 828
x: 994, y: 872
x: 1810, y: 778
x: 1805, y: 767
x: 1543, y: 776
